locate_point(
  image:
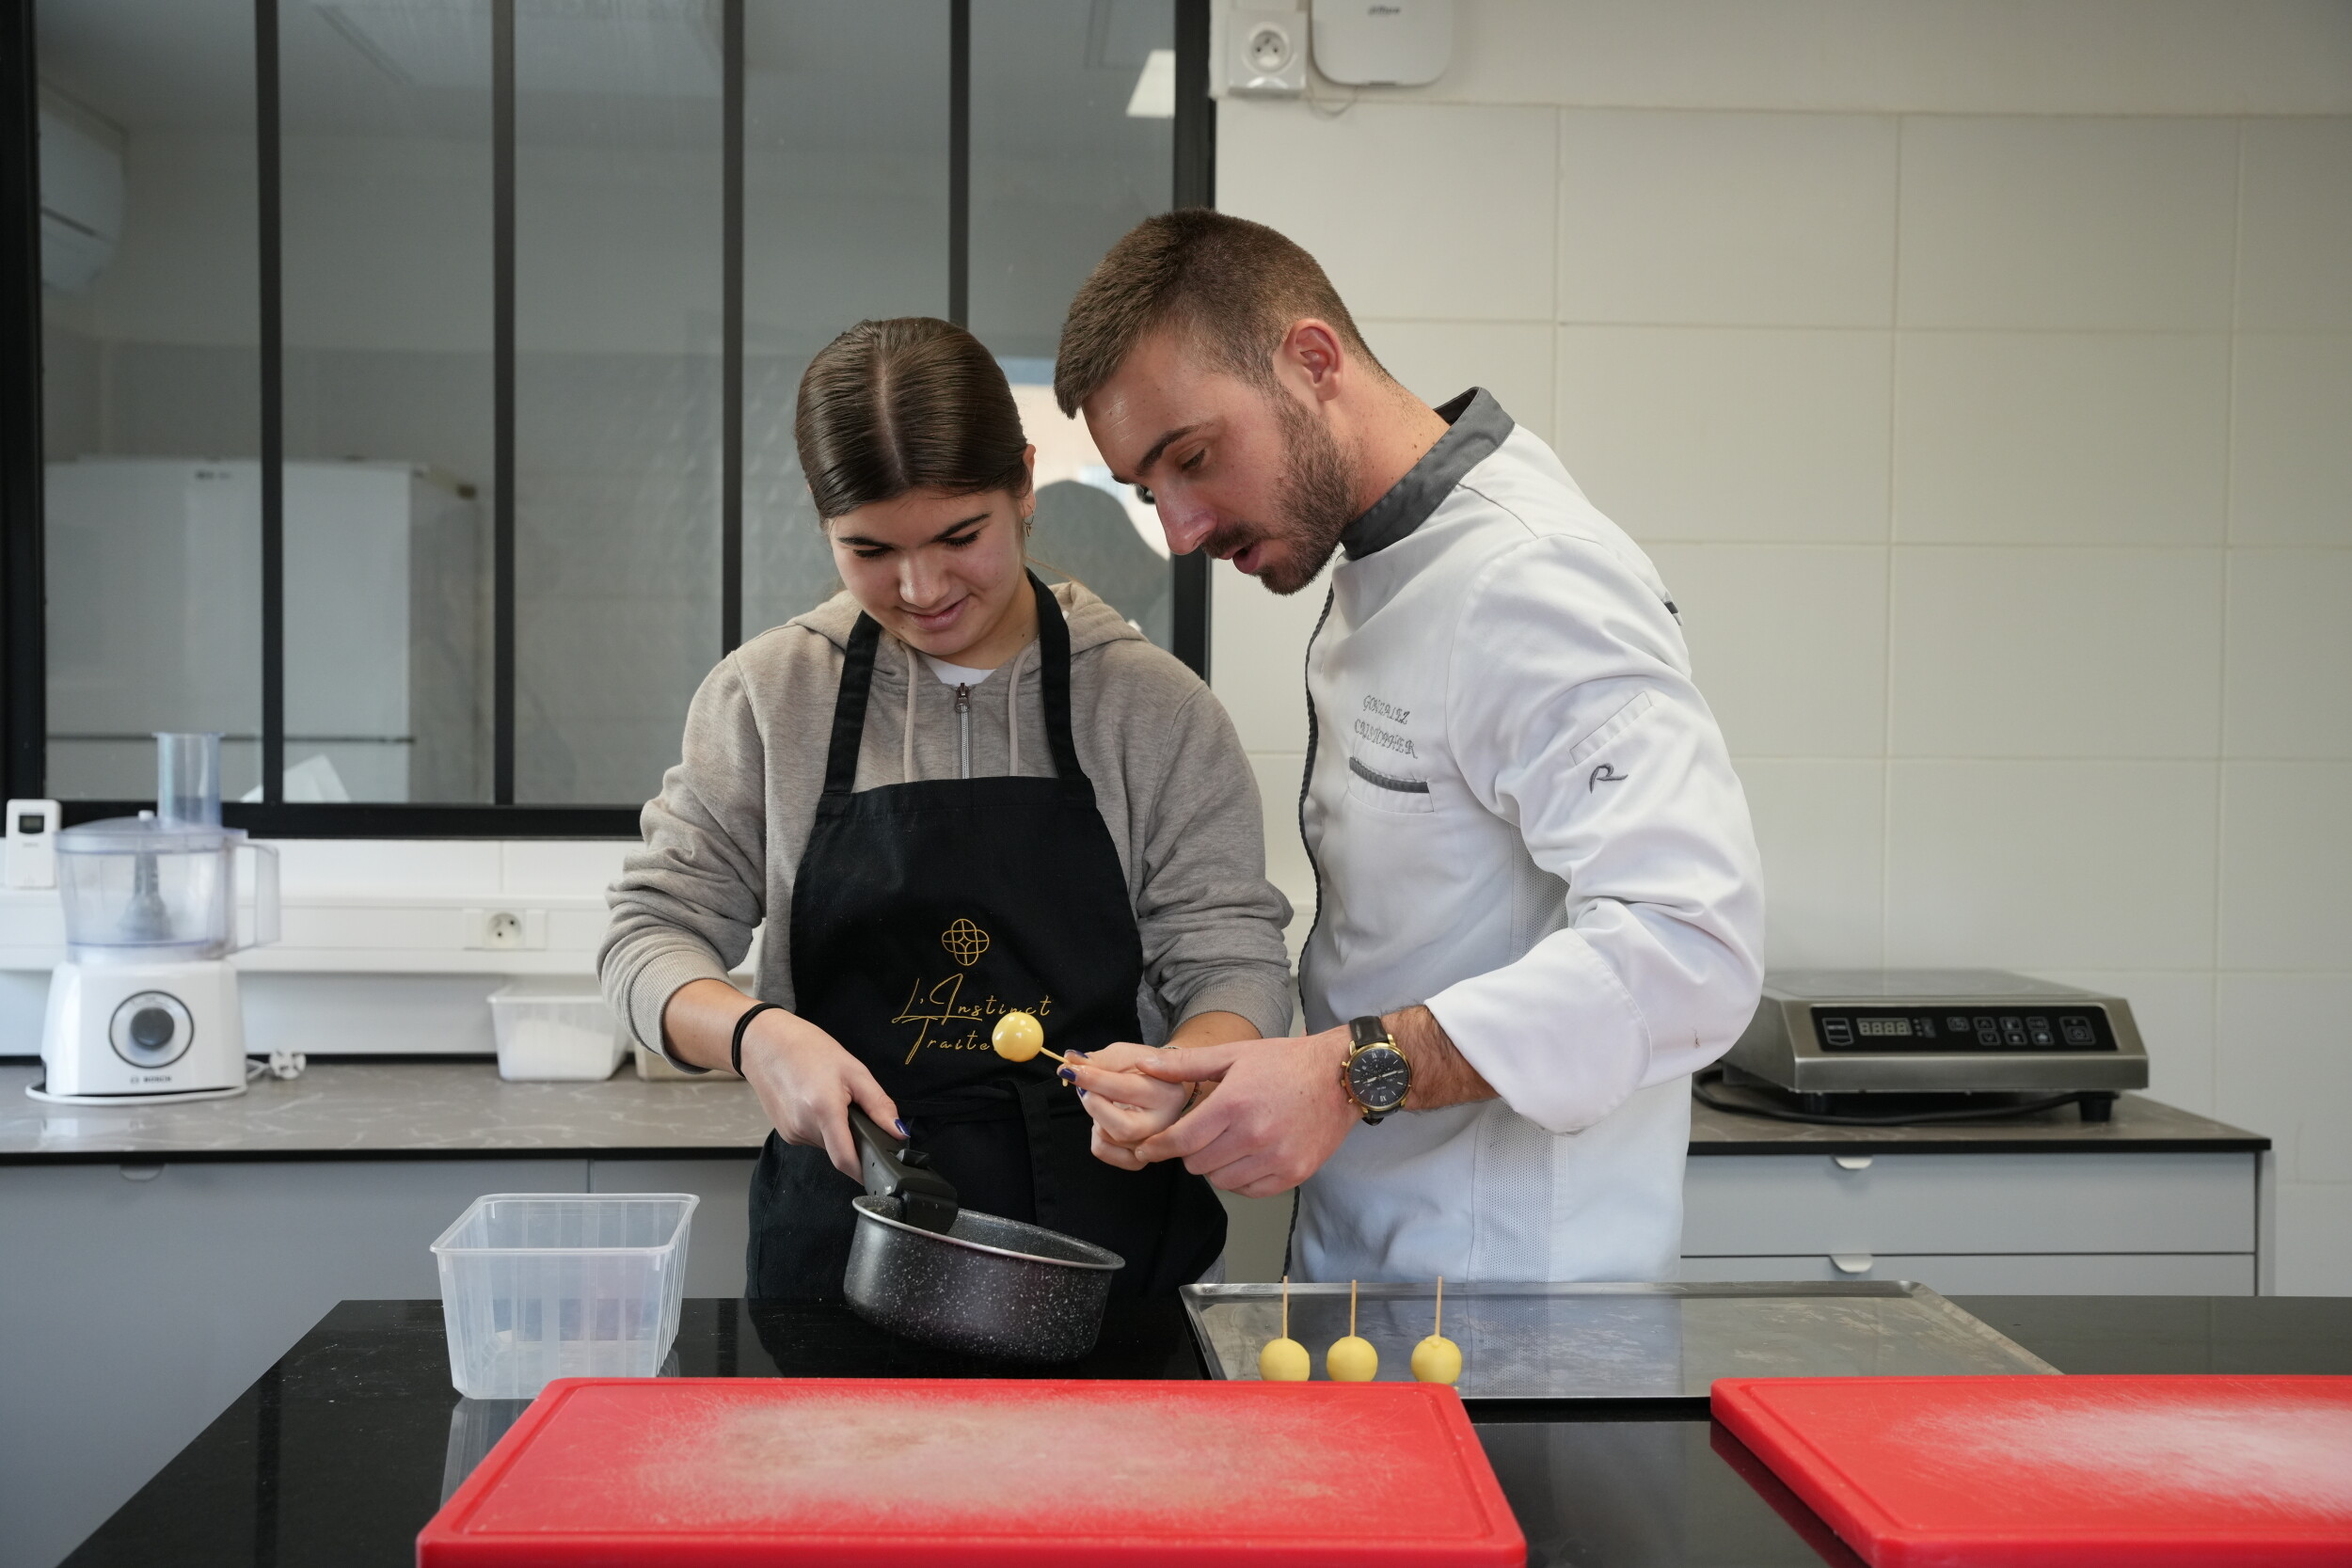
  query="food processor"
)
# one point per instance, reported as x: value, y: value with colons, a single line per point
x: 144, y: 1010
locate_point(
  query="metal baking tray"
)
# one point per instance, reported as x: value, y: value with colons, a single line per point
x: 1617, y: 1341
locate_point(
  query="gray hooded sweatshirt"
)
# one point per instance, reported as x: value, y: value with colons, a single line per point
x: 724, y: 837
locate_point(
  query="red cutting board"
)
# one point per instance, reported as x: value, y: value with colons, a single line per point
x: 2054, y: 1472
x: 858, y: 1470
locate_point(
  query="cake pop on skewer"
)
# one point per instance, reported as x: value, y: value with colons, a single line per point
x: 1438, y: 1359
x: 1020, y: 1038
x: 1351, y: 1359
x: 1284, y: 1360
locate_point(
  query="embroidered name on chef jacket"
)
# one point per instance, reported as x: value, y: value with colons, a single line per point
x: 1373, y: 723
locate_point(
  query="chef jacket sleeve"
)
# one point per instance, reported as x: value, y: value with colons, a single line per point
x: 688, y: 901
x: 1571, y: 712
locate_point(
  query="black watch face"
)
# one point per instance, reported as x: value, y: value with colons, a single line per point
x: 1379, y: 1077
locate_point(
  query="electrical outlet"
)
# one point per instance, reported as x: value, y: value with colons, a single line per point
x: 495, y: 930
x: 1266, y: 53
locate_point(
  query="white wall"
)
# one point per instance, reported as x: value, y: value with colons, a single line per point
x: 1980, y: 378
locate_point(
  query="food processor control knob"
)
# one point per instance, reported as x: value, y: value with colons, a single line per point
x: 151, y: 1028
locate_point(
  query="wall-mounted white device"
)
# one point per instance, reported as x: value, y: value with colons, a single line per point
x: 1266, y: 54
x: 1383, y: 43
x: 32, y: 860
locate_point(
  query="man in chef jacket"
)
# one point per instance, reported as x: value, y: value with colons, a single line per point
x: 1540, y: 908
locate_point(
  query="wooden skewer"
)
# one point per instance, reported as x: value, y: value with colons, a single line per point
x: 1439, y: 1328
x: 1287, y: 1306
x: 1351, y: 1308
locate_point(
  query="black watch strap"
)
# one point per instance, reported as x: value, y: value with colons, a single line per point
x: 735, y: 1051
x: 1362, y: 1032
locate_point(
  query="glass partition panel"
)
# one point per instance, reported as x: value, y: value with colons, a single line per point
x: 151, y: 387
x: 387, y: 215
x: 386, y: 146
x: 1072, y: 144
x: 845, y: 177
x: 618, y: 236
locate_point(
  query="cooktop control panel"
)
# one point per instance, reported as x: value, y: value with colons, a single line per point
x: 2081, y: 1026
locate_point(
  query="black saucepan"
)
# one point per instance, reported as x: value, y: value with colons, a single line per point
x: 923, y: 1266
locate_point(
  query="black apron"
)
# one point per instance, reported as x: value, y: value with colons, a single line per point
x: 924, y: 912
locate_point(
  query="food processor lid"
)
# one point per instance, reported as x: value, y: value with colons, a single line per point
x: 145, y: 835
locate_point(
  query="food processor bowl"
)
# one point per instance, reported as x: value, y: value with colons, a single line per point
x: 162, y: 889
x: 139, y: 890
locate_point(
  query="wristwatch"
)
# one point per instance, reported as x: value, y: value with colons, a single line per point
x: 1377, y: 1075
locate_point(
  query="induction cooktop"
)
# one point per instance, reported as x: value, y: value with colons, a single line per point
x: 1937, y: 1031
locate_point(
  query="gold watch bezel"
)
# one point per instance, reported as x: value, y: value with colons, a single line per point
x: 1373, y: 1116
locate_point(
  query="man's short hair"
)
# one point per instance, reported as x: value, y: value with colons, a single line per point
x: 1231, y: 286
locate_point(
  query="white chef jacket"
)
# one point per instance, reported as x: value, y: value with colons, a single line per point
x: 1520, y: 814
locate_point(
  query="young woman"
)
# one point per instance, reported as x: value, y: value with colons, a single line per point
x: 947, y: 793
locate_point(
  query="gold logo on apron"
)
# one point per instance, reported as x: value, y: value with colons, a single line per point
x: 965, y: 942
x: 941, y: 1018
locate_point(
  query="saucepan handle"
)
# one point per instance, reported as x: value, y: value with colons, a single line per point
x: 926, y: 1199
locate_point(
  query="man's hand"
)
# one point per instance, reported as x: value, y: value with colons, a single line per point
x: 1127, y: 1105
x: 1277, y: 1114
x: 1280, y: 1109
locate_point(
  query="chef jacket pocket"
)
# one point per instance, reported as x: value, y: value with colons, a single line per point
x: 1385, y: 791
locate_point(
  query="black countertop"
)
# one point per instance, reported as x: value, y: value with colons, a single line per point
x: 341, y: 1451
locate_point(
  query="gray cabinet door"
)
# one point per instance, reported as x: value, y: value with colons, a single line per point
x: 1797, y: 1203
x: 139, y: 1300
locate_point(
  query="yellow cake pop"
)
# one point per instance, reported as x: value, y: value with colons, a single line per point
x: 1284, y: 1360
x: 1438, y: 1359
x: 1351, y: 1360
x: 1019, y: 1037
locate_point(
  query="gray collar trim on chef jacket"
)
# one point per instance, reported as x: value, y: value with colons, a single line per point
x: 1480, y: 426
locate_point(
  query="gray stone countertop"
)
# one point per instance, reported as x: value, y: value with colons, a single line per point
x: 421, y: 1110
x: 392, y: 1109
x: 2139, y: 1126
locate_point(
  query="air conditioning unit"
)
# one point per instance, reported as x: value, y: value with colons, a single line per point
x: 81, y: 197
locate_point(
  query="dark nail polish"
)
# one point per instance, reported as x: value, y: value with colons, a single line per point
x: 1067, y: 1076
x: 1074, y: 1057
x: 1082, y: 1093
x: 901, y: 1126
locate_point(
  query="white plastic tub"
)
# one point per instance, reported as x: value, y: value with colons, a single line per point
x: 556, y: 1028
x: 537, y: 1285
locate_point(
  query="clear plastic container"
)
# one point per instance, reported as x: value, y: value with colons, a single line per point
x: 554, y: 1029
x: 537, y: 1285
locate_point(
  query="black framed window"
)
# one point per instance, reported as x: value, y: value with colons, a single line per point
x: 402, y: 387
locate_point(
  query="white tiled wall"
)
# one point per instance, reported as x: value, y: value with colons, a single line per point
x: 1985, y: 395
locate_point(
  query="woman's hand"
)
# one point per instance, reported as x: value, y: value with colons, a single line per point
x: 1127, y: 1105
x: 806, y: 1082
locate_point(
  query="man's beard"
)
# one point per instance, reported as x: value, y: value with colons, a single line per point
x: 1312, y: 505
